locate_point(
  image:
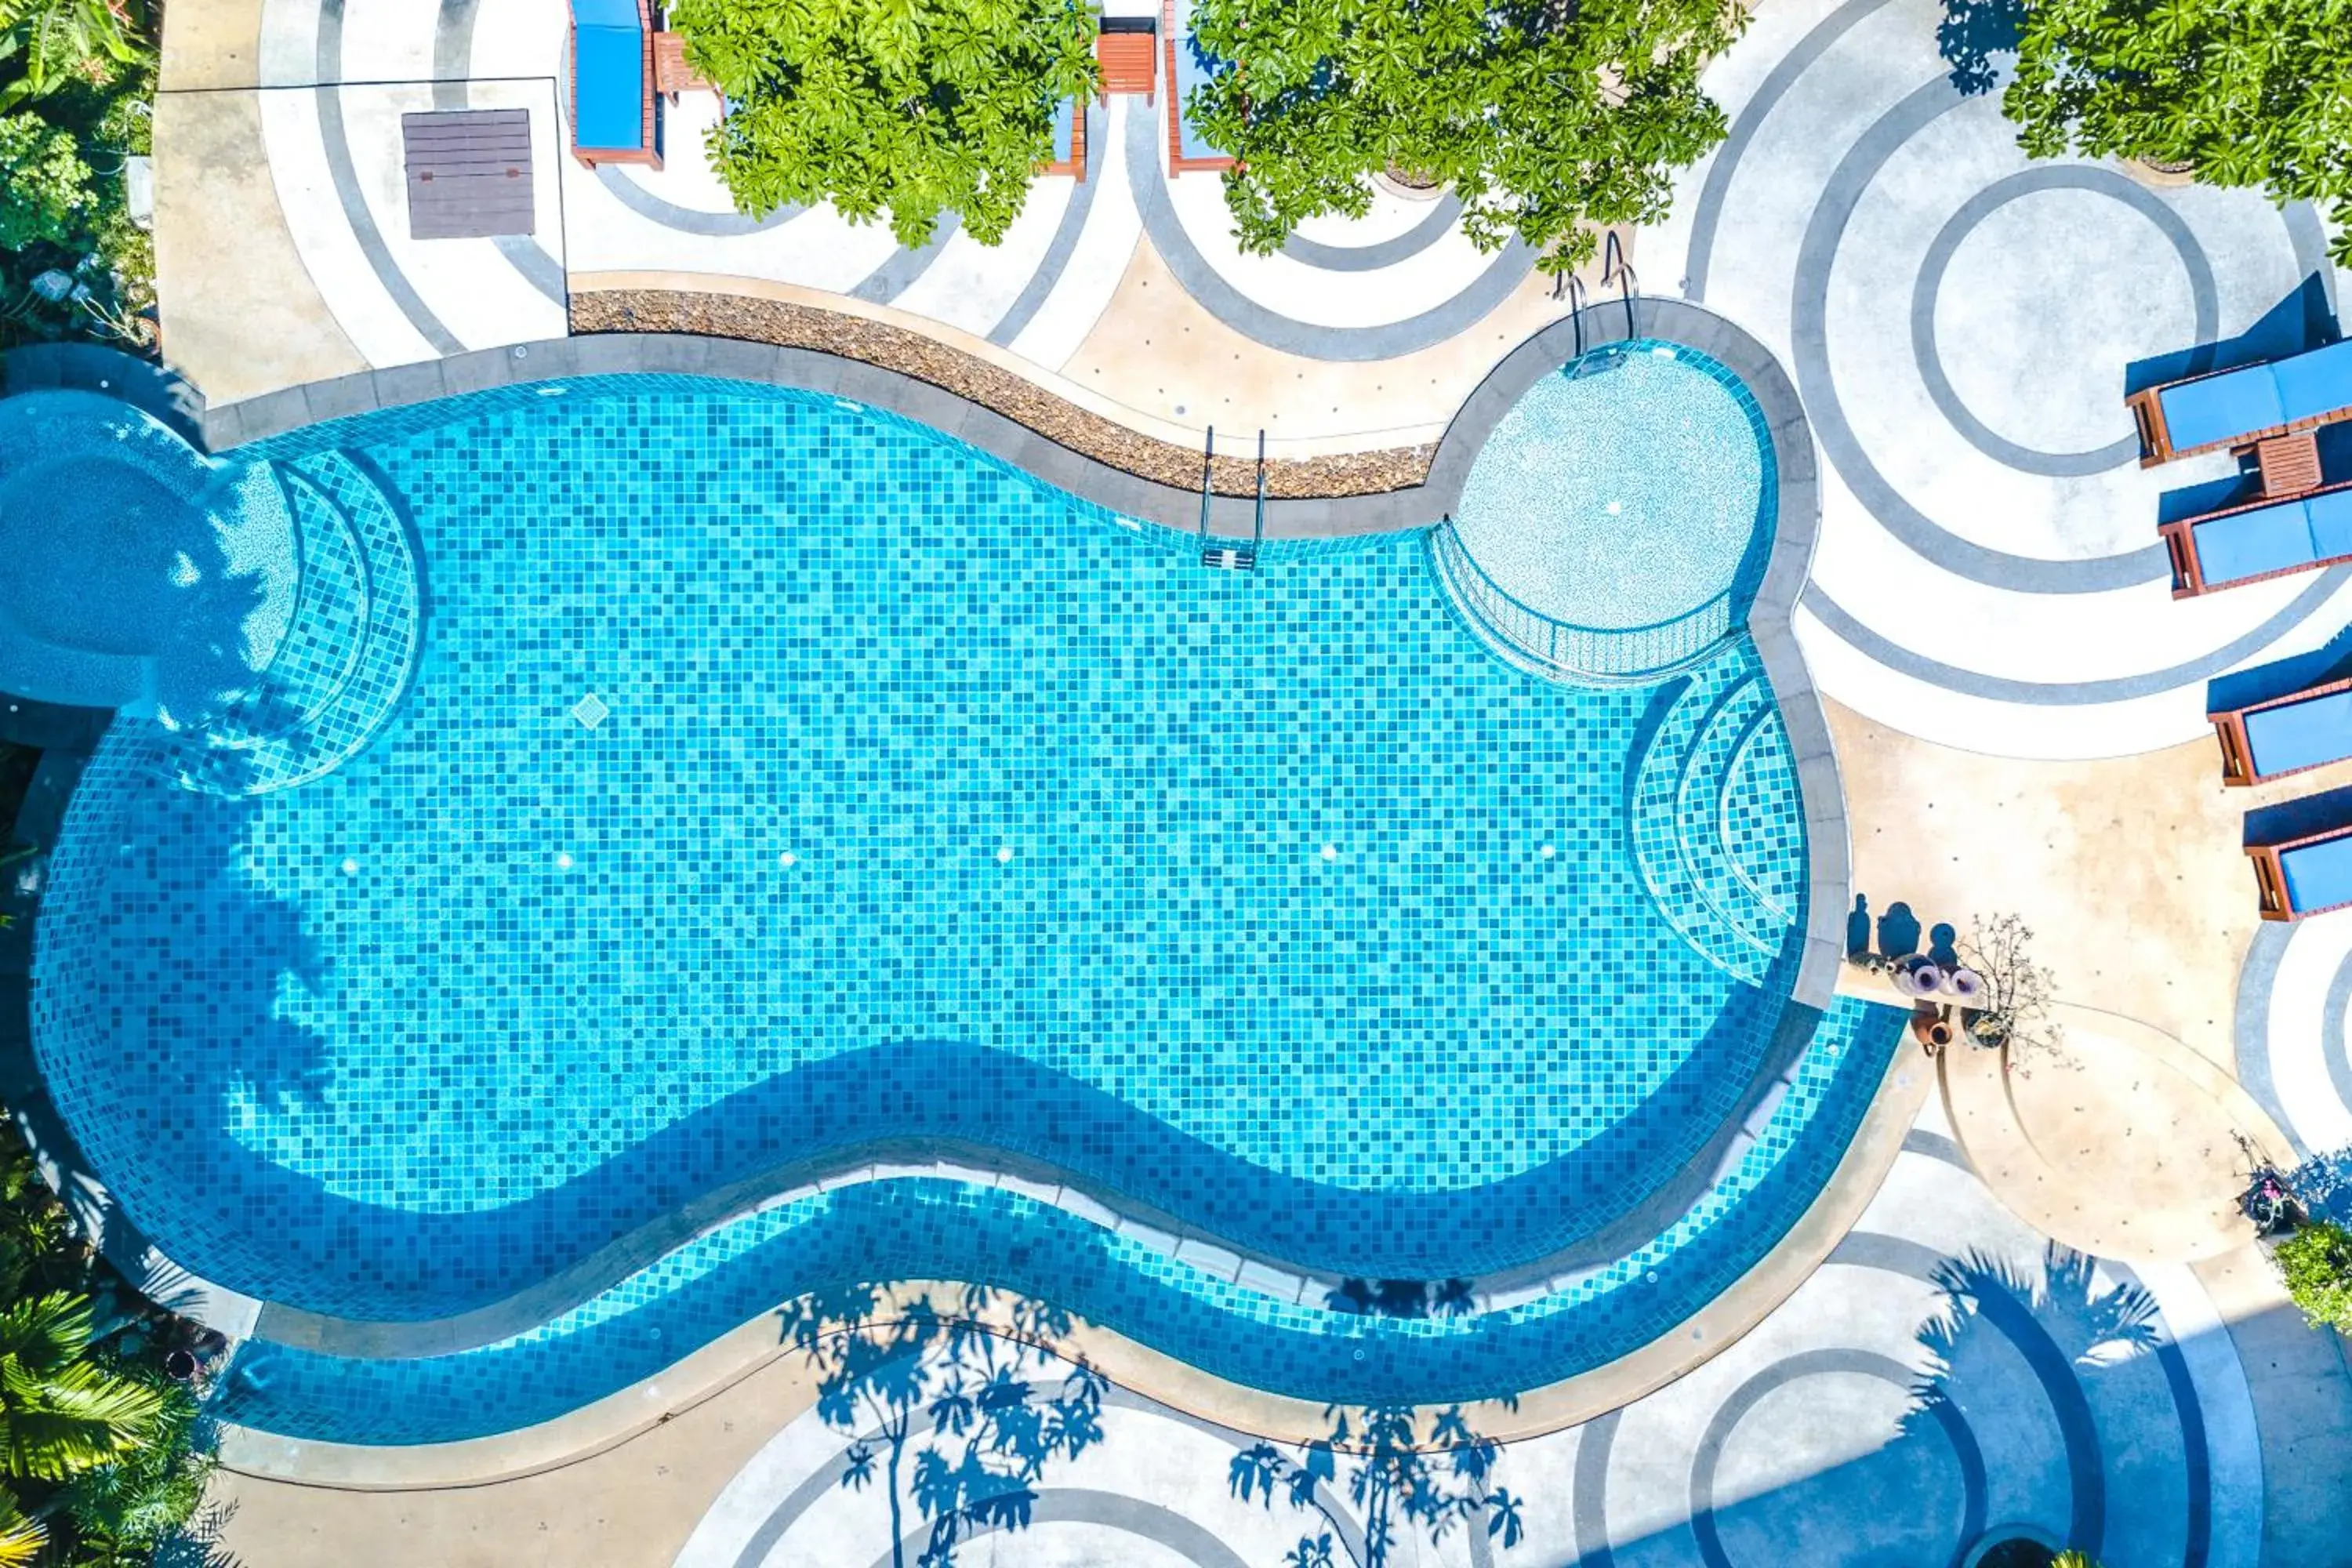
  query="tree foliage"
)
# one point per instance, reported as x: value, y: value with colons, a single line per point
x: 2253, y: 93
x: 44, y: 186
x: 900, y: 108
x: 2316, y: 1264
x: 76, y: 77
x: 1545, y: 115
x: 57, y: 44
x: 101, y: 1454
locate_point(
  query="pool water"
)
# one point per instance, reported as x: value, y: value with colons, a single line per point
x: 780, y: 782
x: 1623, y: 490
x: 134, y: 573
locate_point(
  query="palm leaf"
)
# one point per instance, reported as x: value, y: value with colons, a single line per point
x: 21, y: 1539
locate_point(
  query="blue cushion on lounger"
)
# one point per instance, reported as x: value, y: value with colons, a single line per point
x: 2249, y: 543
x: 2315, y: 384
x: 605, y: 13
x: 612, y: 72
x: 1065, y: 125
x: 1195, y: 66
x: 2301, y: 734
x: 2331, y: 524
x: 2221, y: 407
x: 2318, y: 876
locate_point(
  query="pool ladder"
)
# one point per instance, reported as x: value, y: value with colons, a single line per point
x: 1614, y: 268
x: 1231, y: 557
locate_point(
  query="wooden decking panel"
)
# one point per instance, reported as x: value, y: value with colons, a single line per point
x: 469, y: 174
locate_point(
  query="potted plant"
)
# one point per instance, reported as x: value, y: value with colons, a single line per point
x: 2013, y: 1014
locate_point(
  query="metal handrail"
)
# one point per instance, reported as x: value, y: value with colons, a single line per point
x: 1564, y: 651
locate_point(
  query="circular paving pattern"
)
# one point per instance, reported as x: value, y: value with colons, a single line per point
x: 1962, y: 323
x: 2293, y: 1057
x: 1910, y: 1394
x: 2052, y: 350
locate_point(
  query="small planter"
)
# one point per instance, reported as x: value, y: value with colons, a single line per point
x: 2162, y: 177
x: 1406, y: 185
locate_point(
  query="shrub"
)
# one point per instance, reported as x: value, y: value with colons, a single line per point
x: 44, y: 186
x: 2316, y: 1263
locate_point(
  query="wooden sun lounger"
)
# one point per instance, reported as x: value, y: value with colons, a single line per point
x: 2189, y: 577
x: 2317, y: 866
x: 1073, y: 165
x: 648, y: 150
x: 2289, y: 733
x: 1179, y: 161
x: 2301, y: 392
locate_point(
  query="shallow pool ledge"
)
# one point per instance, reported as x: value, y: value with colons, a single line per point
x: 713, y: 1368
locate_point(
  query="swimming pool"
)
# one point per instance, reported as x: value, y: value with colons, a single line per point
x: 778, y: 785
x: 1617, y: 521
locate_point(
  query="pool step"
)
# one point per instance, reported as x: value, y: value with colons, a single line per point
x: 344, y: 662
x: 1715, y: 825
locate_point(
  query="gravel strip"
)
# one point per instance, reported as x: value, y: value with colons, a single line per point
x: 1015, y: 397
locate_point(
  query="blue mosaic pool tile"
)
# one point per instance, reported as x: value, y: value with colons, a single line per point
x: 1708, y: 733
x: 506, y: 987
x: 919, y: 1228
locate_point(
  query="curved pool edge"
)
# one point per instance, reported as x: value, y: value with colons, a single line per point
x: 710, y: 1369
x: 979, y: 1165
x: 284, y: 413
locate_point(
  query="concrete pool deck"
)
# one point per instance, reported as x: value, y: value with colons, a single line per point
x: 2015, y: 702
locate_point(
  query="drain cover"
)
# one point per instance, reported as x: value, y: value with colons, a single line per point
x: 591, y: 712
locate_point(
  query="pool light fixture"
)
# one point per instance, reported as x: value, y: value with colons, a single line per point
x: 1004, y: 855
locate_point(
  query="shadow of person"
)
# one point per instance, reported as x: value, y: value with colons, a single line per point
x: 1857, y: 927
x: 1898, y: 931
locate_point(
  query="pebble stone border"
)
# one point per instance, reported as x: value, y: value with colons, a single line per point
x: 1403, y: 508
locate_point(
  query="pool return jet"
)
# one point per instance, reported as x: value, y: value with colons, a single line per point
x: 1231, y: 557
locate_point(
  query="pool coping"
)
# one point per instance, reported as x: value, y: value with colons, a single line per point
x: 1405, y: 509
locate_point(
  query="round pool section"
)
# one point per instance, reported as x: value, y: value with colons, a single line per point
x: 784, y: 786
x: 133, y: 572
x: 1616, y: 523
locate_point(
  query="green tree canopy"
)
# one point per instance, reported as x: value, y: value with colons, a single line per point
x: 904, y: 108
x: 2253, y: 93
x: 1545, y: 115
